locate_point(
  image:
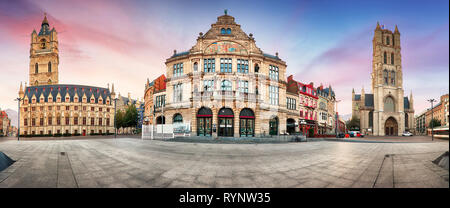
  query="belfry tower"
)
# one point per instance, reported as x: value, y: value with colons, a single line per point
x: 44, y: 58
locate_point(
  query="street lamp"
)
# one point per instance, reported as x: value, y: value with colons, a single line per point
x: 18, y: 116
x: 432, y: 124
x: 337, y: 119
x: 115, y: 115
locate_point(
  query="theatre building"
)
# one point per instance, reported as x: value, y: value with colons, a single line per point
x: 226, y: 86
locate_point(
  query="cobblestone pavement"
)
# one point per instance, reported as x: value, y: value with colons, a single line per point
x: 127, y: 162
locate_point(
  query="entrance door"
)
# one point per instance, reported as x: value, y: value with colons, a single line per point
x: 391, y: 127
x: 226, y: 127
x: 290, y: 126
x: 204, y: 122
x: 247, y: 127
x: 204, y: 126
x: 273, y: 126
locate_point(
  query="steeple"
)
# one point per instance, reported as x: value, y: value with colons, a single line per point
x: 45, y: 21
x: 378, y: 26
x: 396, y: 30
x: 21, y: 92
x: 113, y: 94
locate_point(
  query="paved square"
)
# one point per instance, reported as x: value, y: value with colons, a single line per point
x: 128, y: 162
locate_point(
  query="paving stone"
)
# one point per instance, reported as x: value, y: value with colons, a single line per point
x: 128, y: 162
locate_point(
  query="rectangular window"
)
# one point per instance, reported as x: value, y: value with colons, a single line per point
x: 243, y: 86
x: 273, y: 95
x: 41, y: 121
x: 92, y: 108
x: 75, y: 121
x: 273, y: 72
x: 92, y: 121
x: 209, y: 65
x: 291, y: 104
x: 84, y: 120
x: 58, y: 121
x: 67, y: 108
x: 208, y: 85
x: 75, y: 107
x: 178, y: 91
x: 100, y: 121
x: 160, y: 100
x: 242, y: 66
x: 25, y: 122
x: 33, y: 122
x: 178, y: 69
x: 225, y: 65
x: 49, y: 121
x: 67, y: 120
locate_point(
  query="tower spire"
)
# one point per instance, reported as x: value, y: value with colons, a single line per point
x: 396, y: 30
x: 378, y: 26
x: 45, y: 21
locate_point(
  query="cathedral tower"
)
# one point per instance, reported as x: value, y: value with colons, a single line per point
x: 387, y: 83
x: 386, y: 111
x: 44, y: 57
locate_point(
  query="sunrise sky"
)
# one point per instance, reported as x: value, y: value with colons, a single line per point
x: 329, y: 42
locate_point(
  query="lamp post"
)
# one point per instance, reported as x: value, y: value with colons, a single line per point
x: 432, y: 124
x: 337, y: 119
x: 115, y: 115
x: 18, y: 116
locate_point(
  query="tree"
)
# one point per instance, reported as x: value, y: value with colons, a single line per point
x: 131, y: 116
x: 434, y: 123
x: 353, y: 124
x: 119, y: 119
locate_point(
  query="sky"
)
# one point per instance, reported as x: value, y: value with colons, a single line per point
x: 325, y: 42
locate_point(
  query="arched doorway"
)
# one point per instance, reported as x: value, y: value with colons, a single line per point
x: 204, y: 122
x: 290, y: 126
x: 247, y: 123
x: 226, y: 127
x: 160, y: 120
x: 273, y: 126
x: 391, y: 127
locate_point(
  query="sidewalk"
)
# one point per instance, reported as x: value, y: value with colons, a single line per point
x: 390, y: 139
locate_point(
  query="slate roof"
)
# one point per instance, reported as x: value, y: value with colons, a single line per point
x: 405, y: 103
x: 180, y: 54
x: 72, y: 90
x: 271, y: 56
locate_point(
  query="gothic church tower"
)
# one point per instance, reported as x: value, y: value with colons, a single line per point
x: 387, y: 83
x: 44, y: 58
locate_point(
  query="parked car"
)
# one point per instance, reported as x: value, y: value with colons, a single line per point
x: 340, y: 135
x: 406, y: 133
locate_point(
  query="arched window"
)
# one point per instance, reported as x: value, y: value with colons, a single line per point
x: 388, y: 40
x: 389, y: 105
x: 385, y: 76
x: 392, y: 77
x: 222, y: 31
x: 392, y: 58
x: 195, y: 66
x: 256, y: 68
x: 226, y: 85
x: 228, y: 31
x: 385, y: 57
x: 36, y: 68
x: 177, y: 118
x: 49, y: 66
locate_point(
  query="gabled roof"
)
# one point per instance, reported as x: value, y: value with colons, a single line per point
x: 72, y: 90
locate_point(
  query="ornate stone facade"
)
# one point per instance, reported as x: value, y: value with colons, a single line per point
x: 386, y: 111
x: 226, y: 86
x: 49, y: 108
